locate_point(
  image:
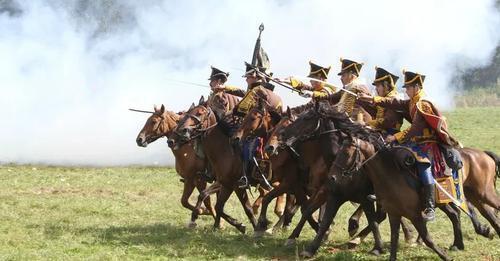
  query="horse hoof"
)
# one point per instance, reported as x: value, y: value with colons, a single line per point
x: 242, y: 228
x: 376, y: 252
x: 191, y: 224
x: 306, y: 254
x: 455, y: 248
x: 269, y: 232
x: 290, y: 242
x: 353, y: 243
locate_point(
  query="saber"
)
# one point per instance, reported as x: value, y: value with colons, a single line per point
x: 188, y: 83
x: 262, y: 174
x: 279, y: 83
x: 455, y: 201
x: 140, y: 111
x: 316, y: 80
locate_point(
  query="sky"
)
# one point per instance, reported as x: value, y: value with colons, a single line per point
x: 70, y: 69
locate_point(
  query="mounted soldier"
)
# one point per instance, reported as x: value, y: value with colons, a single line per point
x: 317, y: 89
x: 384, y: 120
x: 428, y: 129
x: 259, y: 90
x: 346, y: 100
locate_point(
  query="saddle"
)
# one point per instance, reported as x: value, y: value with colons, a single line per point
x: 449, y: 180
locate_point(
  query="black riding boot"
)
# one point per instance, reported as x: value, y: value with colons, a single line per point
x: 428, y: 212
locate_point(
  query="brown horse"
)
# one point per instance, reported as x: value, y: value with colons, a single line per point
x: 365, y: 149
x: 259, y: 122
x: 161, y: 124
x: 202, y: 123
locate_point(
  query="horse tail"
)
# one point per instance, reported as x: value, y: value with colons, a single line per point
x: 496, y: 158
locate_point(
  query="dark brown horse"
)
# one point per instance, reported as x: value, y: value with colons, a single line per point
x: 201, y: 122
x: 311, y: 126
x: 364, y: 149
x: 187, y: 164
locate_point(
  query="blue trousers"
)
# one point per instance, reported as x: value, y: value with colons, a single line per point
x: 425, y: 173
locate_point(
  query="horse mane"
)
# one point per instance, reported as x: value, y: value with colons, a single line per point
x: 343, y: 122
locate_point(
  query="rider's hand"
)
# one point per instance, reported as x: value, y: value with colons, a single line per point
x: 218, y: 87
x: 365, y: 97
x: 390, y: 139
x: 306, y: 93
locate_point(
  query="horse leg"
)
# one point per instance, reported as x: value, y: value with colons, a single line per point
x: 407, y: 231
x: 263, y: 222
x: 488, y: 213
x: 222, y: 198
x: 394, y: 221
x: 371, y: 215
x: 186, y: 193
x: 209, y: 208
x: 354, y: 221
x: 245, y: 203
x: 290, y: 210
x: 332, y: 206
x: 485, y: 210
x: 454, y: 216
x: 206, y: 193
x: 279, y: 207
x: 424, y: 234
x: 307, y: 210
x: 481, y: 229
x: 258, y: 202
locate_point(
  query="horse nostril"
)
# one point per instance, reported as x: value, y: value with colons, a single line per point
x: 270, y: 148
x: 171, y: 143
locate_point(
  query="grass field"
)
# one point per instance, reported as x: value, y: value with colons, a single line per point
x: 66, y: 213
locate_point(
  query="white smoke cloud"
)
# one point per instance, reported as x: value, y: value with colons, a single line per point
x: 70, y: 69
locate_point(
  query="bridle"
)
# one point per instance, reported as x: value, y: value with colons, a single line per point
x: 356, y: 164
x: 198, y: 128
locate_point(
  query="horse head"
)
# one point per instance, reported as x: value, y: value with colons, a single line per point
x: 258, y: 122
x: 160, y: 124
x: 197, y: 121
x: 273, y: 139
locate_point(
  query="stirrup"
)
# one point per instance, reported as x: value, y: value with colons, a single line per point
x: 428, y: 214
x: 371, y: 198
x: 243, y: 182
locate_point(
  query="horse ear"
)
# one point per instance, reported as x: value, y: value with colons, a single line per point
x: 202, y: 100
x: 192, y: 106
x: 288, y: 112
x: 162, y: 109
x: 155, y: 107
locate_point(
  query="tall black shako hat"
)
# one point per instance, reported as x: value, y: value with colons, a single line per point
x: 218, y: 74
x: 350, y: 66
x: 412, y: 78
x: 252, y: 70
x: 317, y: 70
x: 382, y: 74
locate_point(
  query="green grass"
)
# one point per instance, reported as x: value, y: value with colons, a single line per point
x: 65, y: 213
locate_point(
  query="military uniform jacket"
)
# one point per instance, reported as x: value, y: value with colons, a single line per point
x: 346, y: 102
x: 257, y: 91
x: 317, y: 95
x: 427, y: 123
x: 384, y: 119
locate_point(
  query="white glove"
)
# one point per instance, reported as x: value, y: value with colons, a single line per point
x: 306, y: 93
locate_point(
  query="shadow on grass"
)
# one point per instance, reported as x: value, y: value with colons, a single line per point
x: 160, y: 239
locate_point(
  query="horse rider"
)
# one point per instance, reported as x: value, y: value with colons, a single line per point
x: 317, y: 89
x: 384, y: 120
x: 218, y: 81
x: 427, y: 130
x: 346, y: 101
x: 258, y: 88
